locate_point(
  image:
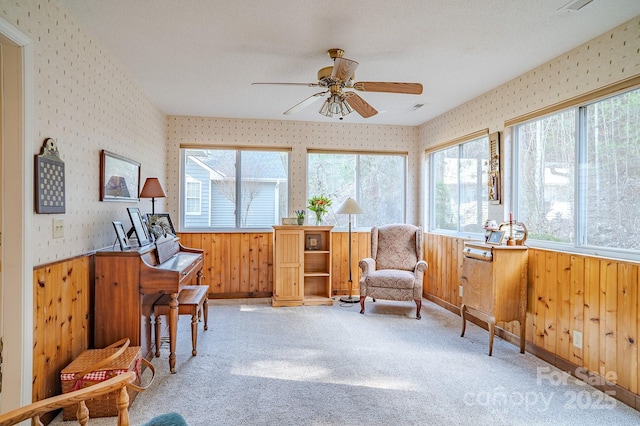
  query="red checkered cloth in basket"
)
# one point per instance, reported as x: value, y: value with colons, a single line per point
x: 99, y: 376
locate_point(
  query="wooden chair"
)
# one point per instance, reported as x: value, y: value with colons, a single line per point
x: 35, y: 410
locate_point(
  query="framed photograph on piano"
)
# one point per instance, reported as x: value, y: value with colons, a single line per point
x: 163, y: 220
x: 138, y: 226
x: 121, y: 235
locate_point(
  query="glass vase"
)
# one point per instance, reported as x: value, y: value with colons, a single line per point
x: 318, y: 218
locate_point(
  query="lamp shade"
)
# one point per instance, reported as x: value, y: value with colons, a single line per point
x: 350, y: 206
x: 152, y: 189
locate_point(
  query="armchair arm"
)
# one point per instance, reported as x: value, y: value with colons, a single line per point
x: 367, y: 265
x: 421, y: 266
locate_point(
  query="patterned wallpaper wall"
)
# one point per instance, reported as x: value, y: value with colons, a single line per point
x: 610, y: 57
x: 85, y: 100
x: 299, y: 136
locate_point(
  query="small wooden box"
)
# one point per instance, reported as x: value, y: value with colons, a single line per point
x: 105, y: 406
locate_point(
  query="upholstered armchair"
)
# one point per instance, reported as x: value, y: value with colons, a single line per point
x: 395, y: 269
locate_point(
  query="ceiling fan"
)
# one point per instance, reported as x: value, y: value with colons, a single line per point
x: 340, y: 76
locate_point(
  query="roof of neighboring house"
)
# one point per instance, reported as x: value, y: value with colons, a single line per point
x: 258, y: 164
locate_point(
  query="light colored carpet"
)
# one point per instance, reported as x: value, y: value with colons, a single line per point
x: 258, y: 365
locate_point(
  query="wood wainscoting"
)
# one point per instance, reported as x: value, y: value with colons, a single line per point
x: 62, y: 306
x: 568, y: 294
x: 238, y: 265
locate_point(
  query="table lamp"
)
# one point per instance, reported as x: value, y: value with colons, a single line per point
x: 152, y: 189
x: 350, y: 206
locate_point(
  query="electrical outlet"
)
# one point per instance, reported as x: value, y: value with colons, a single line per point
x: 460, y: 290
x: 577, y: 339
x: 58, y: 227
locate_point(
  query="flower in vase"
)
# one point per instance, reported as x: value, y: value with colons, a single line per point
x: 319, y: 205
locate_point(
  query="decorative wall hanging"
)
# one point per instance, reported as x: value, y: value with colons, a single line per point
x: 119, y: 178
x: 49, y: 179
x: 493, y: 181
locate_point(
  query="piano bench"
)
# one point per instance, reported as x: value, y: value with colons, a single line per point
x: 192, y: 300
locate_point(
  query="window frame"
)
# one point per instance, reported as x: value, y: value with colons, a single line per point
x: 578, y: 246
x: 238, y: 181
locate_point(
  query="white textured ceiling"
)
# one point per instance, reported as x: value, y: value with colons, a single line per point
x: 199, y: 57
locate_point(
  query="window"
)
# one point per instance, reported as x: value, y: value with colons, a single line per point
x: 459, y: 193
x: 578, y: 178
x: 228, y: 189
x: 193, y: 197
x: 376, y: 181
x: 546, y: 177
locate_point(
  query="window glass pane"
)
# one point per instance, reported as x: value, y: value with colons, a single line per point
x: 381, y: 197
x: 459, y: 187
x: 376, y: 182
x: 546, y: 177
x: 221, y: 165
x: 263, y: 188
x: 333, y: 175
x: 474, y: 195
x: 445, y: 166
x: 612, y: 192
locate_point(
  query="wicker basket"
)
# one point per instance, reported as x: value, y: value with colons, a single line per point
x: 97, y: 365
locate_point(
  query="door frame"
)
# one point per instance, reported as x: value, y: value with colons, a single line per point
x: 17, y: 217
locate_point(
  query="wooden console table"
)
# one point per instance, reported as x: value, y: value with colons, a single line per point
x: 494, y: 286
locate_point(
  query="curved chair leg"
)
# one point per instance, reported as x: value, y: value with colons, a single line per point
x: 418, y: 307
x: 463, y: 311
x: 362, y: 304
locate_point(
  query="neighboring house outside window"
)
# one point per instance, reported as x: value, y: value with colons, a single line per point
x: 458, y: 187
x: 260, y: 178
x: 377, y: 181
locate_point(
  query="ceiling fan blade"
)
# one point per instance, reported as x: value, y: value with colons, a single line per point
x: 302, y: 105
x: 378, y: 86
x: 343, y: 69
x: 360, y: 105
x: 291, y: 84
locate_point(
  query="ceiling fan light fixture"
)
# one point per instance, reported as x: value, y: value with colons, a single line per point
x: 335, y: 104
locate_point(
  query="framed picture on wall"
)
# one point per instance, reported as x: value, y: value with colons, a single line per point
x: 119, y: 178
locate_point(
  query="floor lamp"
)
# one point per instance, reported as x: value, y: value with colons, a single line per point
x: 350, y: 206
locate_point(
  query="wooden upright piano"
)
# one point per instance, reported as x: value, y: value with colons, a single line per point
x: 128, y: 283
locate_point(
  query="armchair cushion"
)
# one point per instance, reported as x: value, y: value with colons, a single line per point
x: 396, y: 247
x: 389, y: 278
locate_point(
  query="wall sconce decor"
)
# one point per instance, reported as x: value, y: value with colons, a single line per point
x: 49, y: 179
x: 493, y: 181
